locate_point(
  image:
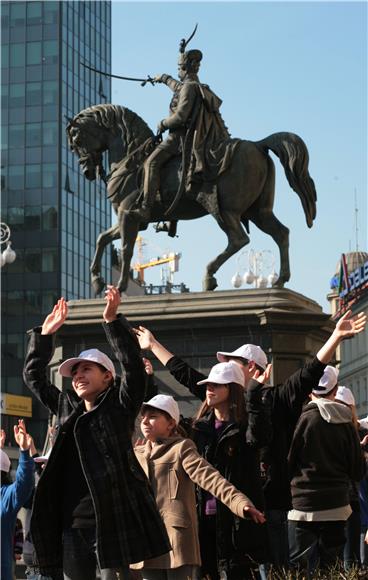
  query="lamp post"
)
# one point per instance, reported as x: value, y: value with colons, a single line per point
x: 255, y: 272
x: 8, y: 255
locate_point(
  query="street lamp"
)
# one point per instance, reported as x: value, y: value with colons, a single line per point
x: 8, y: 255
x: 257, y: 265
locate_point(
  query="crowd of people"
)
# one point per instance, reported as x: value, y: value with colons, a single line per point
x: 263, y: 480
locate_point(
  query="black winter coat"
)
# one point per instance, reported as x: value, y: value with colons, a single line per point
x: 286, y: 402
x: 236, y: 456
x: 128, y: 526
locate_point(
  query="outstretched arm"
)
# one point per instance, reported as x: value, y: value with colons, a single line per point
x: 180, y: 370
x: 168, y: 80
x: 347, y: 327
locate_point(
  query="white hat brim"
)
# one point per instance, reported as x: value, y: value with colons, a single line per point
x: 65, y: 369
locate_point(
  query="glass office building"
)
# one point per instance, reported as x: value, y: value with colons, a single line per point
x: 54, y: 213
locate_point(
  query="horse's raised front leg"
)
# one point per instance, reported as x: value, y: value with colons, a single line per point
x: 103, y: 239
x: 266, y: 221
x: 129, y: 228
x: 237, y: 239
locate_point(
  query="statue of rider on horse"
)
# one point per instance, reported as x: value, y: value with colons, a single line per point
x: 197, y: 170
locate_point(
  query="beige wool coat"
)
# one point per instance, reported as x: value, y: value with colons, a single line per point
x: 173, y: 466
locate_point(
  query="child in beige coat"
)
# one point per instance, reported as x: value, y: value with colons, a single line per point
x: 173, y: 465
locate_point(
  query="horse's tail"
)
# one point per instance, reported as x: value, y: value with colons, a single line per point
x: 293, y: 154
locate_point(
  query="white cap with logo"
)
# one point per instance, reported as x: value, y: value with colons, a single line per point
x: 4, y: 461
x: 327, y: 382
x: 165, y: 403
x: 92, y: 355
x: 225, y: 373
x: 250, y: 352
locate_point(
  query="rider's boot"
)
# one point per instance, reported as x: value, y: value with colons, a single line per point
x: 143, y: 213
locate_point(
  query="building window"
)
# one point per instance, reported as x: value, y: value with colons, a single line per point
x: 49, y: 218
x: 33, y: 176
x: 50, y: 92
x: 33, y: 94
x: 50, y: 51
x: 16, y: 218
x: 49, y: 175
x: 49, y: 260
x: 32, y: 258
x: 49, y: 133
x: 17, y: 14
x: 33, y: 134
x: 34, y: 13
x: 32, y: 302
x: 16, y: 136
x: 34, y: 53
x: 17, y: 95
x: 16, y: 177
x: 32, y: 218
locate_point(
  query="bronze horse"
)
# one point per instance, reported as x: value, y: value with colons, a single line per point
x: 245, y: 191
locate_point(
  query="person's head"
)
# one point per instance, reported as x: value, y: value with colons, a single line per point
x: 225, y: 391
x: 5, y: 466
x: 92, y: 372
x: 159, y: 417
x: 189, y: 62
x: 346, y: 397
x: 327, y: 385
x: 250, y: 359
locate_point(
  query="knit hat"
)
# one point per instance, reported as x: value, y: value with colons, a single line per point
x: 249, y: 352
x: 4, y: 461
x: 345, y: 396
x: 225, y: 373
x: 327, y: 382
x: 92, y: 355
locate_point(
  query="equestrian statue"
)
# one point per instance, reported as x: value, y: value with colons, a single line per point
x: 197, y: 170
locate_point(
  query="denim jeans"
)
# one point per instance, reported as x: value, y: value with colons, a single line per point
x: 352, y: 546
x: 278, y: 542
x: 80, y: 560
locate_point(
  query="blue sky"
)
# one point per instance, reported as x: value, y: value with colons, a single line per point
x: 277, y: 66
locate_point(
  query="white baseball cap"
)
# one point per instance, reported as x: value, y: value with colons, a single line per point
x: 165, y: 403
x: 327, y: 382
x: 345, y: 395
x: 250, y: 352
x: 224, y: 373
x: 93, y: 355
x: 43, y: 458
x: 4, y: 461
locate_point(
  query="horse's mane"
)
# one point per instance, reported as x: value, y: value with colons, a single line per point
x: 134, y: 129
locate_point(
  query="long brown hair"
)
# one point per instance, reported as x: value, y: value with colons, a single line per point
x: 236, y: 402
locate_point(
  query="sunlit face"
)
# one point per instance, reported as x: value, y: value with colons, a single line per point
x: 216, y: 394
x: 156, y: 425
x: 89, y: 380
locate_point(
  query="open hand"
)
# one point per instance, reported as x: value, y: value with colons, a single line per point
x: 22, y: 438
x: 349, y: 325
x: 263, y: 377
x: 56, y: 318
x: 112, y: 303
x: 254, y: 514
x: 145, y: 337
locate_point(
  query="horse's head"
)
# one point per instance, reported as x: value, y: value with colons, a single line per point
x: 88, y: 140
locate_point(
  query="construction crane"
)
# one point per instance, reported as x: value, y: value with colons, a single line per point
x: 171, y: 258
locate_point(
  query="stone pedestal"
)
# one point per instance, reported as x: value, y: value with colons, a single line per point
x: 288, y: 326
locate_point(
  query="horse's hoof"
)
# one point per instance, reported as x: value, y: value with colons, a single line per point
x: 279, y: 283
x: 209, y: 283
x: 98, y: 284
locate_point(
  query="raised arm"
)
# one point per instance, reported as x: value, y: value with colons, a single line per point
x: 168, y: 80
x: 298, y: 386
x: 259, y: 428
x: 39, y: 353
x: 347, y: 327
x: 124, y: 344
x: 23, y: 486
x: 180, y: 370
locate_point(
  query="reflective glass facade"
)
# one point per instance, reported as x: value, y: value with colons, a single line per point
x: 54, y: 213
